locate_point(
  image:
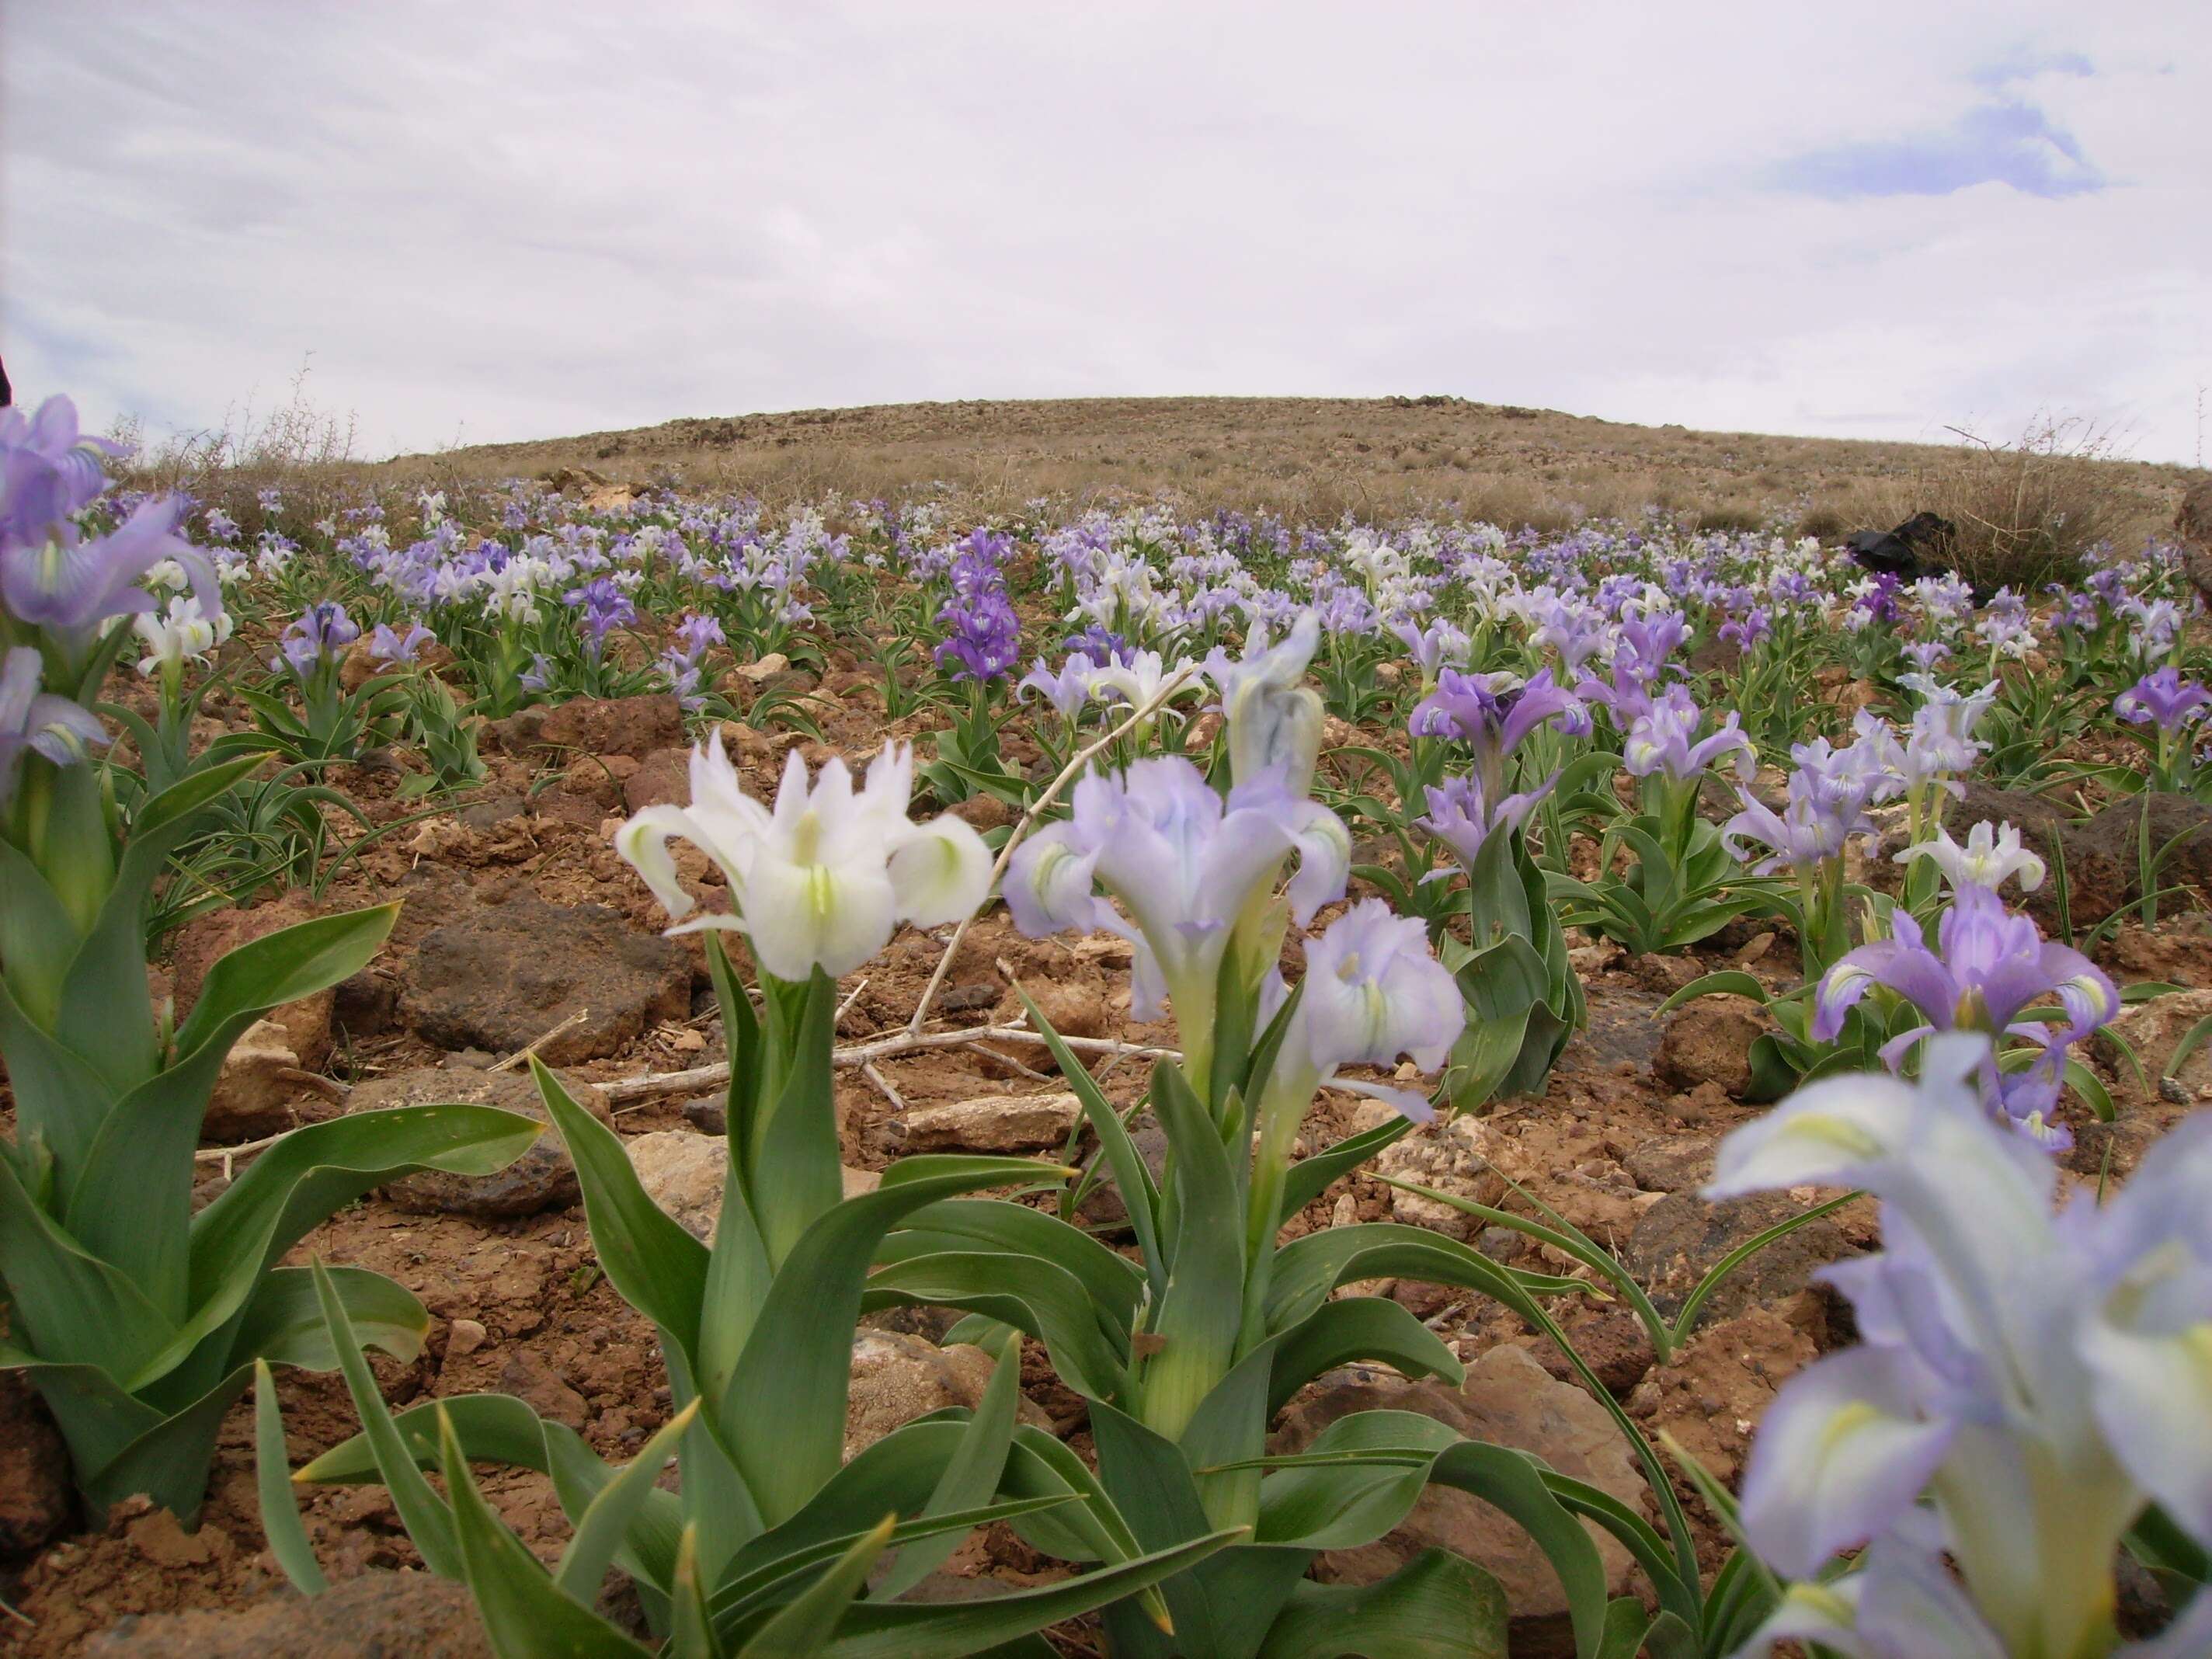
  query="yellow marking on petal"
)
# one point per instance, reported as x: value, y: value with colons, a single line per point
x: 1846, y: 1423
x: 1827, y: 1130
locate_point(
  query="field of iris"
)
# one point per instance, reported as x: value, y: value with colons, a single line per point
x: 1354, y: 810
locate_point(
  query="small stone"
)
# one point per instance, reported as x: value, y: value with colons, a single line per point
x: 544, y: 1390
x: 1671, y: 1163
x: 1708, y: 1041
x: 683, y: 1173
x: 1449, y: 1157
x: 1074, y: 1010
x: 1679, y: 1239
x: 709, y: 1113
x: 255, y: 1093
x: 765, y: 668
x: 993, y: 1124
x: 463, y: 1337
x: 966, y: 999
x: 662, y: 778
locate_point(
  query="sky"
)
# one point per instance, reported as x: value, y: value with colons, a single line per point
x: 506, y: 219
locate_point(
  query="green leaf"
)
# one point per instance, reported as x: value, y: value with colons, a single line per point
x: 70, y: 1307
x: 971, y: 1476
x: 1437, y: 1606
x: 301, y: 1180
x: 285, y: 1325
x: 794, y: 1175
x: 1200, y: 1308
x: 280, y: 1504
x: 493, y: 1427
x: 1116, y: 1283
x: 1305, y: 1180
x: 1139, y: 1194
x: 429, y: 1524
x: 796, y: 1368
x: 660, y: 1269
x: 606, y: 1521
x: 1035, y: 1295
x: 1730, y: 982
x: 905, y: 1630
x: 804, y: 1626
x: 524, y: 1613
x: 282, y: 967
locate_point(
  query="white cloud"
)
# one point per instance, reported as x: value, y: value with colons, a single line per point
x: 488, y: 224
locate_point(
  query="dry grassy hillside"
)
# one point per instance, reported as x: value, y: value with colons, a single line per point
x: 1313, y: 456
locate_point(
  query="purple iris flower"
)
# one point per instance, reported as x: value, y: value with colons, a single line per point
x: 1663, y: 740
x: 220, y: 525
x: 1648, y: 646
x: 35, y: 722
x: 1925, y: 654
x: 696, y: 635
x: 1431, y: 645
x: 388, y: 646
x: 984, y: 637
x: 1989, y: 966
x: 1748, y: 629
x: 48, y: 471
x: 2163, y: 699
x: 1462, y: 816
x: 605, y: 608
x: 1068, y: 691
x: 319, y: 635
x: 538, y: 677
x: 1185, y: 863
x: 1494, y: 715
x: 1100, y: 644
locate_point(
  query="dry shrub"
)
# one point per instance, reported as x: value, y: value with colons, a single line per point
x: 2030, y: 512
x: 303, y: 450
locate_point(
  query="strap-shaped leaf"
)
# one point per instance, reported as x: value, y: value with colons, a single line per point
x: 790, y: 1385
x: 298, y: 1183
x: 1200, y: 1308
x: 524, y: 1613
x: 967, y: 1223
x: 606, y: 1521
x: 1306, y: 1179
x: 1036, y: 1296
x: 429, y: 1521
x: 970, y: 1477
x: 1437, y: 1606
x: 659, y: 1267
x: 284, y: 966
x: 70, y: 1307
x: 1140, y: 1195
x: 794, y: 1174
x: 907, y: 1630
x: 805, y: 1624
x: 280, y: 1503
x: 285, y: 1325
x: 494, y: 1428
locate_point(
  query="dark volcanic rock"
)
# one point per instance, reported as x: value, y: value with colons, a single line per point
x: 503, y: 977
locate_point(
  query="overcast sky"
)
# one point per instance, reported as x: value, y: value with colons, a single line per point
x: 514, y: 218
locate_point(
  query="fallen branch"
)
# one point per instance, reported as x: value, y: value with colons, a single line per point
x: 700, y: 1078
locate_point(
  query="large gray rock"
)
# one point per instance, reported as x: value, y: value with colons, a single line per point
x: 543, y: 1178
x: 1508, y: 1400
x: 503, y: 977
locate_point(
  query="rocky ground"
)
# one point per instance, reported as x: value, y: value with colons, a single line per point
x: 520, y: 927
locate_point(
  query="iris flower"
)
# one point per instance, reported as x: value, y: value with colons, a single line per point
x: 820, y: 880
x: 2039, y: 1378
x: 35, y: 722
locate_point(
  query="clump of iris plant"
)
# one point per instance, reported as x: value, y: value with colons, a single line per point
x: 2026, y: 1386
